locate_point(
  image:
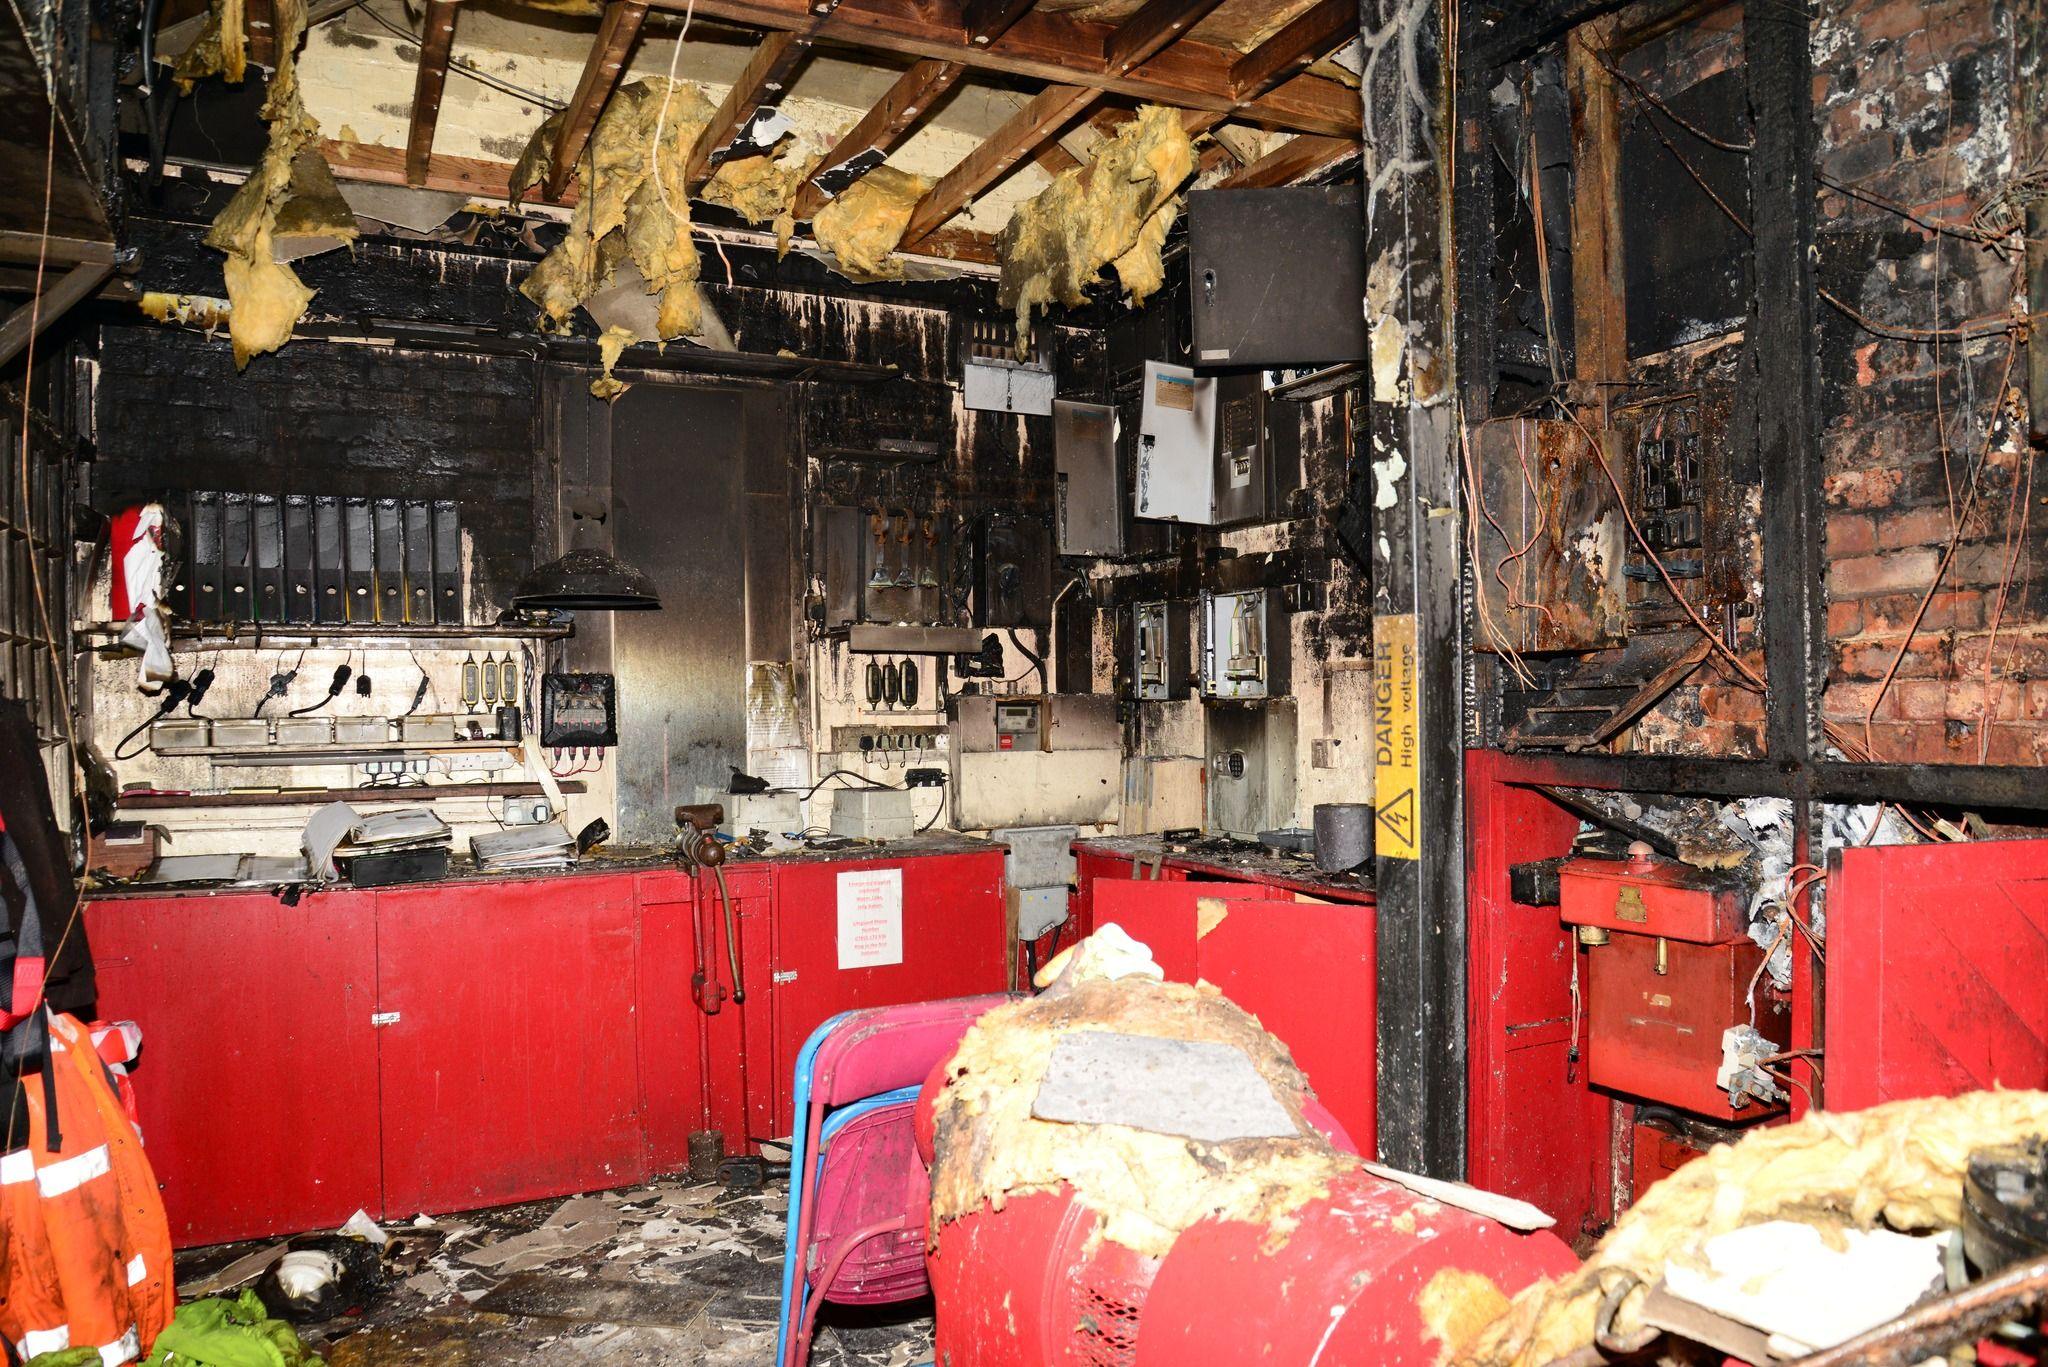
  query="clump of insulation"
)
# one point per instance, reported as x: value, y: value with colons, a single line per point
x: 632, y: 202
x: 864, y: 225
x: 1901, y: 1163
x: 220, y: 50
x: 1115, y: 211
x: 762, y: 188
x: 287, y: 207
x: 1146, y: 1187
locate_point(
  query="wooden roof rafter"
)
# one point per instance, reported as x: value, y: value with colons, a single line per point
x: 1305, y: 40
x: 1296, y: 159
x: 616, y: 34
x: 437, y: 41
x: 865, y: 145
x: 758, y: 90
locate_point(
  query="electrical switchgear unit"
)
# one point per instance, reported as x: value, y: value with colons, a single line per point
x: 1244, y: 484
x: 1088, y: 496
x: 1162, y: 664
x: 1243, y: 645
x: 578, y: 710
x: 1277, y: 276
x: 1177, y: 445
x: 1012, y: 572
x: 1676, y: 1010
x: 1034, y: 761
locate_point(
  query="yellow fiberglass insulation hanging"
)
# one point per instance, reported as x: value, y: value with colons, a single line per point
x: 221, y: 49
x: 1115, y: 211
x: 632, y: 202
x: 864, y: 224
x: 762, y: 188
x: 267, y: 297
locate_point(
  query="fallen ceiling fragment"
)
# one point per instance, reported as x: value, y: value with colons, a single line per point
x: 1115, y: 211
x: 285, y: 192
x: 862, y: 227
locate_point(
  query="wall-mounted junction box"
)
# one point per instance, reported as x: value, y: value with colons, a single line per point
x: 1251, y: 767
x: 1243, y: 644
x: 1088, y: 495
x: 1034, y: 761
x: 1177, y: 445
x: 1159, y: 649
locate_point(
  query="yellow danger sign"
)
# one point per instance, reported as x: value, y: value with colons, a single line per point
x: 1395, y: 733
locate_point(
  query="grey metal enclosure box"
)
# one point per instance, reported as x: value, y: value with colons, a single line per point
x: 1278, y: 276
x: 1251, y: 767
x: 1089, y: 495
x: 1244, y: 644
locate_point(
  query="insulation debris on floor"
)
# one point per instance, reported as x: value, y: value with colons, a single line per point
x: 1147, y: 1184
x: 1898, y: 1166
x: 668, y: 1272
x: 1115, y: 211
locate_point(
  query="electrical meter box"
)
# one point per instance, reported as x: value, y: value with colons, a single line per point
x: 1244, y: 481
x: 1088, y: 495
x: 1177, y: 445
x: 1034, y: 761
x: 1243, y: 650
x: 1669, y: 966
x: 1161, y: 660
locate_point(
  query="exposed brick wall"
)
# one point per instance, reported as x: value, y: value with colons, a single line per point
x: 1920, y: 104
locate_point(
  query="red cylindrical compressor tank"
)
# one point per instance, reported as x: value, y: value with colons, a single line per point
x: 1371, y: 1276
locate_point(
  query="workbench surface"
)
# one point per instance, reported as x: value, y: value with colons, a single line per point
x: 1219, y: 857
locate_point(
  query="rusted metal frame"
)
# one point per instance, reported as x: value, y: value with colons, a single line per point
x: 1409, y: 438
x: 1308, y: 38
x: 1781, y: 376
x: 761, y: 85
x: 437, y: 40
x: 1057, y: 49
x: 1300, y: 156
x: 1023, y: 133
x: 868, y: 143
x: 1154, y: 25
x: 616, y: 34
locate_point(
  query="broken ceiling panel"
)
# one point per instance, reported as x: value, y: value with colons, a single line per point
x: 1116, y: 211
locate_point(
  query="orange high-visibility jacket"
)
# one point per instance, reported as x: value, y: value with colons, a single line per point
x: 85, y: 1250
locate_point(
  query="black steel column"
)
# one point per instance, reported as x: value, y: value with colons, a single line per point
x: 1409, y: 440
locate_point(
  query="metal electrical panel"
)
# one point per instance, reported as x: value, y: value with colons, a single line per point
x: 1243, y: 645
x: 1088, y: 495
x: 1160, y: 655
x: 1552, y: 538
x: 1177, y: 445
x: 1244, y: 483
x: 1278, y: 276
x: 1012, y: 571
x: 1252, y: 767
x: 992, y: 377
x: 1034, y: 761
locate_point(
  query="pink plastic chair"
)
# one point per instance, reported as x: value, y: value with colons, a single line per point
x: 859, y: 1194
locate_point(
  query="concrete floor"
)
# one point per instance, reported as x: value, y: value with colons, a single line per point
x: 666, y: 1273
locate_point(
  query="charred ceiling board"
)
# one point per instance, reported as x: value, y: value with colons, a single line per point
x: 1686, y: 263
x: 1058, y: 48
x: 1551, y: 539
x: 616, y: 34
x: 1000, y: 151
x: 437, y: 40
x: 75, y: 208
x: 753, y: 97
x: 868, y: 143
x: 1308, y: 37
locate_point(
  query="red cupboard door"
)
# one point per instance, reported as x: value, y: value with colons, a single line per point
x: 673, y: 1034
x: 952, y: 946
x: 506, y: 1049
x: 257, y: 1084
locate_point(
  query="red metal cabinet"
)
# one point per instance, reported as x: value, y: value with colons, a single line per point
x: 1936, y: 957
x: 507, y: 1054
x: 1307, y: 970
x: 257, y: 1085
x: 953, y: 945
x: 674, y: 1058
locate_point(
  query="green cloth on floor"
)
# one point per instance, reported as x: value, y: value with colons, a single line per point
x: 219, y: 1332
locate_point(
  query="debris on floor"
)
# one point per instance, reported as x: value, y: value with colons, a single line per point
x: 671, y: 1271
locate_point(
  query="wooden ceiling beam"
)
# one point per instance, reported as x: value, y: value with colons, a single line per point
x: 1152, y: 27
x: 616, y: 34
x: 984, y: 21
x: 437, y: 40
x: 1057, y: 49
x: 1307, y: 38
x: 761, y: 86
x: 1018, y: 138
x: 1294, y: 159
x: 868, y: 143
